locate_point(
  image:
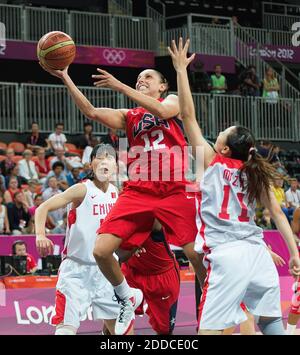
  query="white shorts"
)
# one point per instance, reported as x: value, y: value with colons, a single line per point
x: 241, y: 271
x: 79, y: 287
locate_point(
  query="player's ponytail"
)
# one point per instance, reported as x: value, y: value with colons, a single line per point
x: 256, y: 174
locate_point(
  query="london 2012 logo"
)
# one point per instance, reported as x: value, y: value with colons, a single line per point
x: 296, y: 35
x: 2, y: 38
x: 114, y: 56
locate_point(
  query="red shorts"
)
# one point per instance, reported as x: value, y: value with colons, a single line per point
x: 133, y: 215
x: 161, y: 293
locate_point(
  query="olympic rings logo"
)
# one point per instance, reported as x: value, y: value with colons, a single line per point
x: 112, y: 56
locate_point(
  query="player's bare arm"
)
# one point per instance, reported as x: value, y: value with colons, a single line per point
x: 112, y: 118
x: 74, y: 195
x: 296, y: 224
x: 282, y: 224
x: 167, y: 109
x: 186, y: 103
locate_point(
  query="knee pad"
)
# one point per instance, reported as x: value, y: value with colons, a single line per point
x: 65, y: 330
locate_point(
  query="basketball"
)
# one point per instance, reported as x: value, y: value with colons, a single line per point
x: 56, y: 49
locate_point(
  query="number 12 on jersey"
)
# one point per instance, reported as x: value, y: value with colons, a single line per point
x: 156, y: 143
x: 243, y: 217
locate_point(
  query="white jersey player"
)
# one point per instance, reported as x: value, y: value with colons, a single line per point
x: 80, y: 282
x: 239, y: 266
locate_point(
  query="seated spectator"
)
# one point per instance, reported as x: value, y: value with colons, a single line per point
x: 111, y: 138
x: 58, y: 172
x: 57, y: 139
x: 86, y: 171
x: 270, y: 87
x: 280, y: 197
x: 38, y: 200
x: 8, y: 164
x: 62, y: 226
x: 218, y: 84
x: 15, y: 172
x: 30, y: 192
x: 12, y: 189
x: 4, y: 224
x: 249, y: 85
x: 42, y: 165
x: 265, y: 149
x: 73, y: 177
x: 60, y: 157
x: 19, y: 248
x: 2, y: 183
x: 85, y: 139
x: 35, y: 140
x: 293, y: 195
x: 88, y: 150
x: 53, y: 190
x: 27, y: 166
x: 18, y: 215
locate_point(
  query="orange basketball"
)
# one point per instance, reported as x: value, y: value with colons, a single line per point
x: 56, y: 49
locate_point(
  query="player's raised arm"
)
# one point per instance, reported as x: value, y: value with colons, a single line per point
x: 111, y: 118
x: 74, y: 194
x: 166, y: 109
x: 282, y: 224
x: 186, y: 103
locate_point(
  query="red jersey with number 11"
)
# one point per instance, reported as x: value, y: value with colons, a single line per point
x: 224, y: 213
x: 157, y: 147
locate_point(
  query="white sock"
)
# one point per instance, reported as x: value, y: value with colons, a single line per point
x: 290, y: 329
x: 123, y: 290
x: 65, y: 330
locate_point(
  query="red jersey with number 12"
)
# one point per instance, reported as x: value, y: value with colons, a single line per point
x: 224, y: 213
x: 157, y: 147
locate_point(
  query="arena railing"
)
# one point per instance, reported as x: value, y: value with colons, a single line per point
x: 279, y: 16
x: 9, y: 107
x: 120, y: 7
x: 87, y: 28
x: 13, y: 18
x: 49, y: 104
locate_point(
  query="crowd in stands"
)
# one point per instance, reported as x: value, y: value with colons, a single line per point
x: 286, y: 187
x: 248, y: 82
x: 49, y: 165
x: 46, y: 166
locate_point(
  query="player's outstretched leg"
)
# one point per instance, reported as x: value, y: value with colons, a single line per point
x: 129, y: 298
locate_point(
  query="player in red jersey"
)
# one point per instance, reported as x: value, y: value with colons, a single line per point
x: 156, y: 272
x: 153, y: 130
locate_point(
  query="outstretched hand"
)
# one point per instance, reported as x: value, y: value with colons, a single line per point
x: 106, y: 80
x: 179, y: 54
x: 58, y: 73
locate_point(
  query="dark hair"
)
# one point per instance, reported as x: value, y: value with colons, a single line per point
x: 59, y: 124
x: 256, y: 174
x: 17, y: 242
x: 86, y: 124
x: 37, y: 196
x: 163, y: 80
x: 17, y: 193
x: 104, y: 147
x: 58, y: 163
x: 218, y: 65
